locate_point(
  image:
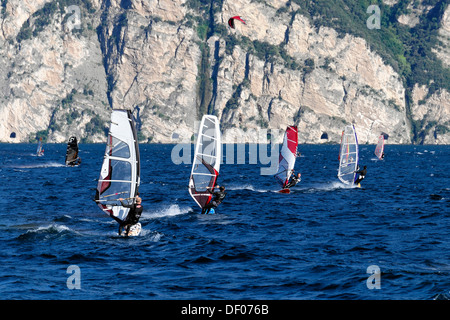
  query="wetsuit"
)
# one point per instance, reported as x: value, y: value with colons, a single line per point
x: 362, y: 174
x: 294, y: 180
x: 133, y: 216
x: 214, y: 203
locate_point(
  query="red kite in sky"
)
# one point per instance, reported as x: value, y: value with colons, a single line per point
x: 231, y: 21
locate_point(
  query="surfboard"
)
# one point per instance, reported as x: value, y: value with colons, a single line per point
x: 135, y: 230
x: 285, y: 190
x: 206, y: 164
x: 287, y: 157
x: 210, y: 211
x: 120, y: 171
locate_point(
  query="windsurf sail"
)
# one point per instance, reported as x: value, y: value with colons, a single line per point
x: 40, y: 150
x: 348, y: 156
x: 379, y: 150
x: 206, y: 164
x: 72, y: 151
x: 120, y: 172
x: 288, y: 154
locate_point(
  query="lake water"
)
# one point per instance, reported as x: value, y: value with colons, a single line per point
x: 322, y: 241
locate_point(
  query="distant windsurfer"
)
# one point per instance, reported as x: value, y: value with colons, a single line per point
x: 133, y: 215
x: 294, y: 180
x: 218, y: 198
x: 362, y: 174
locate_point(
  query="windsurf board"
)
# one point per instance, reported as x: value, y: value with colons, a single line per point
x: 135, y: 230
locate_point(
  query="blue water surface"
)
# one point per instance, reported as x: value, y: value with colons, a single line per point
x: 315, y: 243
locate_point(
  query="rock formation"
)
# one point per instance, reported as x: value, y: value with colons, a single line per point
x: 64, y: 66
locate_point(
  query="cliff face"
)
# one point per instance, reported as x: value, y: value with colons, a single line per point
x: 52, y: 77
x: 62, y: 70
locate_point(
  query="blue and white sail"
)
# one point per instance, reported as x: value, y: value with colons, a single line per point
x: 40, y: 148
x: 348, y: 156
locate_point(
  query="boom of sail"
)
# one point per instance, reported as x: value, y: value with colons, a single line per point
x: 348, y: 156
x: 120, y: 172
x: 207, y: 158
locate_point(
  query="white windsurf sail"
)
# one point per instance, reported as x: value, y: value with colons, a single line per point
x: 288, y: 154
x: 207, y: 157
x: 379, y: 150
x: 120, y: 172
x: 348, y: 156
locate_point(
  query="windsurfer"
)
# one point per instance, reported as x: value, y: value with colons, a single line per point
x: 294, y: 180
x: 218, y: 198
x: 362, y: 174
x: 75, y: 162
x: 133, y: 215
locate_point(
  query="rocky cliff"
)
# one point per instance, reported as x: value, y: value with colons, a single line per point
x: 64, y: 65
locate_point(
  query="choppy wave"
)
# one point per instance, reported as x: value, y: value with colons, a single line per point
x: 48, y: 232
x: 38, y: 165
x: 249, y: 187
x: 330, y: 186
x: 165, y: 211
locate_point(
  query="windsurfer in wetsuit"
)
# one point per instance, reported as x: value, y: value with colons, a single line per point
x: 218, y: 198
x: 75, y: 162
x: 133, y: 215
x: 294, y: 180
x: 362, y: 174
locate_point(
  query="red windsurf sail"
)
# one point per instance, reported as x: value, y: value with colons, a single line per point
x: 288, y: 155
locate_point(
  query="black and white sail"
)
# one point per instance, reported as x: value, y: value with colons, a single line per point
x: 72, y: 152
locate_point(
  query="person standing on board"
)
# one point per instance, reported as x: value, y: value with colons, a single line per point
x: 362, y: 174
x: 133, y: 215
x: 218, y: 198
x: 293, y: 180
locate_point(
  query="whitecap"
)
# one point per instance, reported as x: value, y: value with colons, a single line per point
x: 166, y: 211
x: 246, y: 187
x: 39, y: 165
